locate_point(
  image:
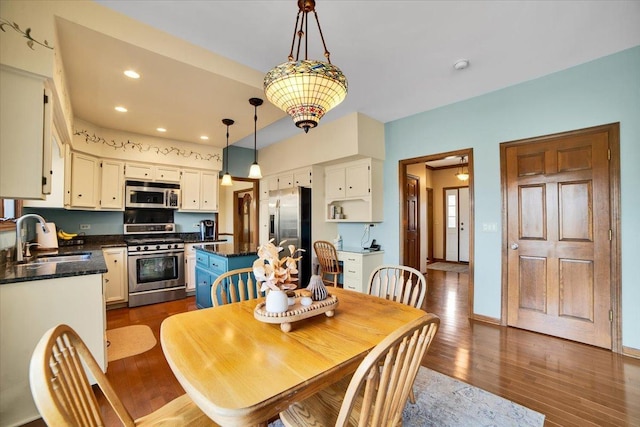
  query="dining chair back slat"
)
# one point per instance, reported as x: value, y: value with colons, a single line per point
x: 234, y: 286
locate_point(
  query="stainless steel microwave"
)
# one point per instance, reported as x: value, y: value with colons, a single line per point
x: 156, y: 195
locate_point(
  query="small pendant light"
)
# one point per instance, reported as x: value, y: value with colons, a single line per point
x: 255, y: 172
x: 226, y: 178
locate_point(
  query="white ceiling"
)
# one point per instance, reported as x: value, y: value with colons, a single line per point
x: 397, y: 55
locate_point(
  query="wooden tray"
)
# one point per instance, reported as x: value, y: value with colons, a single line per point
x: 296, y: 312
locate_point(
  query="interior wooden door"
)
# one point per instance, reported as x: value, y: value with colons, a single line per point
x: 558, y: 237
x: 412, y: 223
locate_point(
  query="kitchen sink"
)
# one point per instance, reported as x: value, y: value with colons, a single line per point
x: 62, y: 258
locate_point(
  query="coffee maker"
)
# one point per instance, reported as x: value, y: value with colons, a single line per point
x: 208, y: 230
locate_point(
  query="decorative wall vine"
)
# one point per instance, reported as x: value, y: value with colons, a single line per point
x: 143, y: 148
x: 26, y: 34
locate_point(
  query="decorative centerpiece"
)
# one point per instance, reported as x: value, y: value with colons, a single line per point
x: 276, y: 274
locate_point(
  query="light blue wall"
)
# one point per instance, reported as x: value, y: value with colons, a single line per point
x: 240, y: 161
x: 603, y: 91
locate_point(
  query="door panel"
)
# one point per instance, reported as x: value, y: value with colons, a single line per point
x: 558, y: 221
x: 412, y: 230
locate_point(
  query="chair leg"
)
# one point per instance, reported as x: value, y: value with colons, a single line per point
x: 412, y: 397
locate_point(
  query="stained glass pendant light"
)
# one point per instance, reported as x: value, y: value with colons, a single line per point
x: 226, y: 178
x: 305, y: 88
x: 254, y: 171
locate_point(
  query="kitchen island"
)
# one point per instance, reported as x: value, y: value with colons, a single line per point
x: 35, y: 298
x: 214, y: 259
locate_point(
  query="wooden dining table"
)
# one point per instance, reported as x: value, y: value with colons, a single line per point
x: 241, y: 371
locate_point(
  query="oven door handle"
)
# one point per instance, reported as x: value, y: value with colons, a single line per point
x: 155, y: 252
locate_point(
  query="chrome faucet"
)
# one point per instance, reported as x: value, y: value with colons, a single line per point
x: 19, y: 249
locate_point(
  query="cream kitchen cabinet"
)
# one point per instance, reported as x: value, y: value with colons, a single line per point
x: 167, y: 174
x: 94, y: 183
x: 139, y: 171
x: 59, y: 159
x: 85, y: 178
x: 353, y: 191
x: 263, y: 233
x: 264, y: 189
x: 357, y: 267
x: 144, y: 172
x: 25, y: 135
x: 112, y: 185
x: 190, y: 267
x: 302, y: 177
x: 199, y: 191
x: 116, y: 289
x: 281, y: 181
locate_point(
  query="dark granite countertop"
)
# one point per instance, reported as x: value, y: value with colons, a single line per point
x: 12, y: 272
x: 227, y: 249
x: 206, y: 241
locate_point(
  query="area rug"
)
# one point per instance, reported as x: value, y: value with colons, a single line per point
x: 129, y: 341
x: 448, y: 266
x: 442, y: 401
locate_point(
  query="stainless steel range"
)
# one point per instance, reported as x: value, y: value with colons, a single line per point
x: 155, y: 257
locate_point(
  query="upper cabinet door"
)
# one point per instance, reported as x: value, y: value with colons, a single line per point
x: 357, y: 180
x: 190, y: 189
x: 85, y: 172
x: 334, y: 183
x: 139, y: 171
x: 209, y: 192
x: 111, y: 195
x: 25, y: 135
x: 165, y: 174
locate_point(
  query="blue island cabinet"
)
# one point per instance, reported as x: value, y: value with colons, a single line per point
x: 209, y: 266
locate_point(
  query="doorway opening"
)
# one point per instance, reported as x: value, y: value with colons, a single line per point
x: 423, y: 184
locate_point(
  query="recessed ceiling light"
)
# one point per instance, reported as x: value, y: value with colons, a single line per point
x: 461, y: 64
x: 161, y: 129
x: 132, y: 74
x: 121, y: 109
x: 204, y: 138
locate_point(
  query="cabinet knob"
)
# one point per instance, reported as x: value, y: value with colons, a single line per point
x: 79, y: 195
x: 115, y: 260
x: 114, y: 197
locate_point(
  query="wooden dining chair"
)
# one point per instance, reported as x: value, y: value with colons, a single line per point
x: 234, y: 286
x: 64, y: 397
x: 378, y: 390
x: 399, y: 283
x: 328, y: 260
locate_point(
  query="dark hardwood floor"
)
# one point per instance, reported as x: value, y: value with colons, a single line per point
x: 572, y: 384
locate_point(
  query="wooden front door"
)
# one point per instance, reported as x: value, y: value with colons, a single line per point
x: 412, y: 223
x: 558, y: 235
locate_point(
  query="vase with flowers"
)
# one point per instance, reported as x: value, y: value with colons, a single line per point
x: 277, y: 275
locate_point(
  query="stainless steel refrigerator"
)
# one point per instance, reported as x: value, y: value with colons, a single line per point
x: 290, y: 220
